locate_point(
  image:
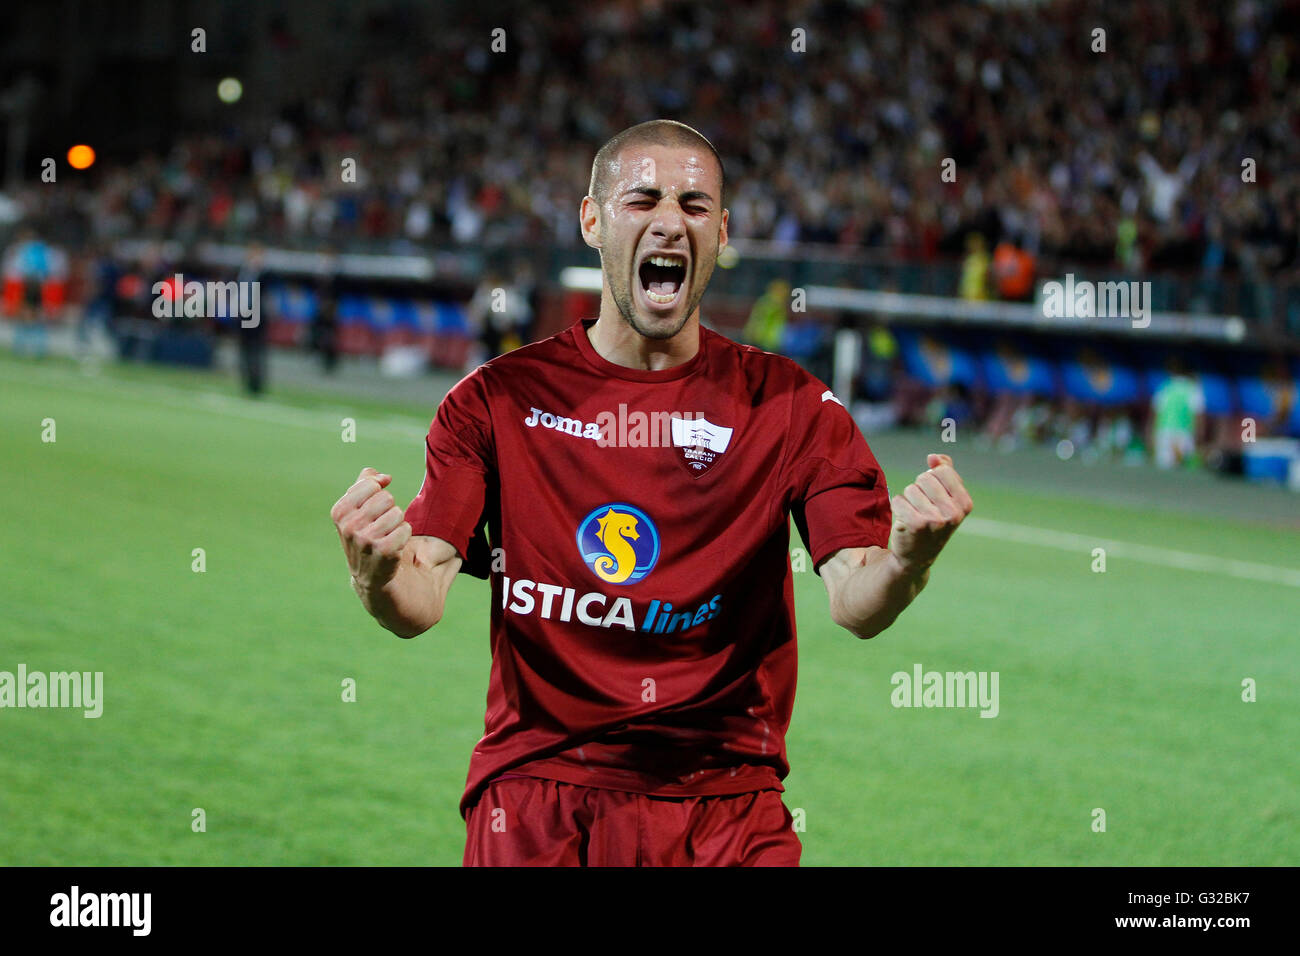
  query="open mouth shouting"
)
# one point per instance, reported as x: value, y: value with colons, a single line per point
x: 662, y: 279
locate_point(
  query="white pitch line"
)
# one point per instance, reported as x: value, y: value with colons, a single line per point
x: 262, y: 409
x: 1187, y: 560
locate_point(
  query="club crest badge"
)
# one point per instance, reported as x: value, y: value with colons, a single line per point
x: 699, y: 442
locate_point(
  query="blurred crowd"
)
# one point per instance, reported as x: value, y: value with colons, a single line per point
x: 1172, y: 428
x: 1143, y: 136
x: 1131, y: 157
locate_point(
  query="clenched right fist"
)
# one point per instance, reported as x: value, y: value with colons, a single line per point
x: 372, y: 529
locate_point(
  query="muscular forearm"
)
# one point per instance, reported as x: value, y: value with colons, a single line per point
x: 400, y: 605
x: 401, y: 578
x: 870, y: 588
x: 413, y: 600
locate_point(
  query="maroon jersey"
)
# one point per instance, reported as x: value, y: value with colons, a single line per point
x: 635, y: 526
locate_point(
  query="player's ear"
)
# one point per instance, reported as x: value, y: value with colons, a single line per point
x: 589, y: 221
x: 722, y: 230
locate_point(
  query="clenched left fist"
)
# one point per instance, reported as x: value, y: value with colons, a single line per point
x: 927, y: 513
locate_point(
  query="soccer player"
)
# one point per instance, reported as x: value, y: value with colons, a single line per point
x: 1176, y: 410
x: 627, y: 486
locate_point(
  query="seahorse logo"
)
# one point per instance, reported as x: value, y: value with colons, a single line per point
x: 614, y: 531
x: 619, y: 543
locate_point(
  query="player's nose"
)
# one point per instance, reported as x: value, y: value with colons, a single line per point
x: 669, y: 223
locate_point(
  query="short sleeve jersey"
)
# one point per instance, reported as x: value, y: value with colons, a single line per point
x: 635, y: 527
x: 1177, y: 403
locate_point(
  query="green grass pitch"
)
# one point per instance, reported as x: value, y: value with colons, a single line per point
x: 223, y: 689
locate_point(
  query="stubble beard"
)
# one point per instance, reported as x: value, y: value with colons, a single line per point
x: 626, y: 305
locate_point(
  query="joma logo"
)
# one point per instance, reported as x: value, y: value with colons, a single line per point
x: 570, y: 426
x: 621, y: 429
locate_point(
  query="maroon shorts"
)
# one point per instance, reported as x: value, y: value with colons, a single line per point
x: 529, y: 821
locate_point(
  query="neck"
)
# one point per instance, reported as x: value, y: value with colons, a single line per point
x: 616, y: 341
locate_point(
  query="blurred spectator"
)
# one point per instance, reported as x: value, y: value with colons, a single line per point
x: 975, y: 269
x: 529, y: 291
x: 950, y: 402
x: 252, y: 332
x: 879, y: 365
x: 34, y: 272
x: 1278, y: 381
x: 767, y: 320
x: 100, y: 310
x: 1013, y: 270
x: 1176, y: 410
x: 500, y: 312
x: 808, y: 341
x: 325, y: 325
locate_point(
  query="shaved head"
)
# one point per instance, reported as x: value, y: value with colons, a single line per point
x: 655, y: 215
x: 660, y: 132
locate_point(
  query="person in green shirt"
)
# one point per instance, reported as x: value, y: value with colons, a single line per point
x: 975, y: 269
x: 1176, y: 409
x: 766, y: 325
